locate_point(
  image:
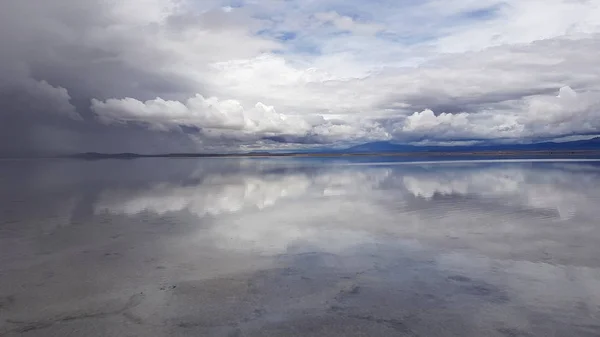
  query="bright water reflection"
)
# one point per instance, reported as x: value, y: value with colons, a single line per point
x: 228, y: 247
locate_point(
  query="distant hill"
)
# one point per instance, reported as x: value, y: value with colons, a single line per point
x: 127, y: 155
x: 388, y: 147
x: 377, y: 148
x: 383, y: 147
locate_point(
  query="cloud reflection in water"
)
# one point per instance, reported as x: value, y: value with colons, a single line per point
x: 468, y: 248
x: 498, y: 209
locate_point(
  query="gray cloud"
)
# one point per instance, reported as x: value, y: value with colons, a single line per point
x: 176, y: 75
x: 77, y: 51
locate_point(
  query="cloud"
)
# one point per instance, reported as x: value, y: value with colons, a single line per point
x: 198, y: 111
x: 427, y: 121
x: 228, y: 118
x: 534, y: 116
x: 568, y: 112
x: 346, y: 23
x: 33, y: 97
x: 270, y: 73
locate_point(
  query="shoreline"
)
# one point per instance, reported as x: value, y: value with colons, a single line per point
x: 579, y: 153
x: 503, y: 154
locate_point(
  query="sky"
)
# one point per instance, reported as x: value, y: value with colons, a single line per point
x: 153, y: 76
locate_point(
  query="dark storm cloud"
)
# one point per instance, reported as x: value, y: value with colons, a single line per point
x: 444, y: 102
x: 58, y: 55
x: 50, y: 67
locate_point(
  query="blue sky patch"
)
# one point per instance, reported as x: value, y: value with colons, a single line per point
x: 481, y: 14
x: 286, y: 36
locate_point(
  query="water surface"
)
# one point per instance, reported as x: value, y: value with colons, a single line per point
x: 299, y: 247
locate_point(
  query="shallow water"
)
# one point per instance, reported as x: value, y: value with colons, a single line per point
x: 288, y: 247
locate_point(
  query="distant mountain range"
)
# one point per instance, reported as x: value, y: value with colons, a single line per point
x: 388, y: 147
x: 384, y: 148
